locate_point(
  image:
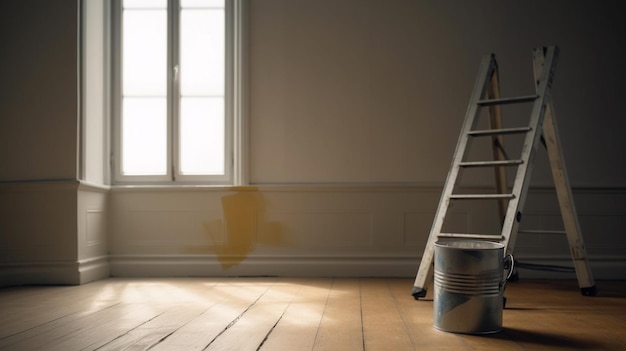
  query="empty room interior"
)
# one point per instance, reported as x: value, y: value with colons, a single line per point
x: 266, y: 174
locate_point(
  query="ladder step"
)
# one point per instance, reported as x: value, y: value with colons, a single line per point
x: 502, y: 131
x: 491, y: 163
x: 481, y: 196
x: 505, y: 101
x: 533, y: 231
x: 471, y: 236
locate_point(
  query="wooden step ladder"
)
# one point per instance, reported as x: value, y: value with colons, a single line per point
x: 541, y: 129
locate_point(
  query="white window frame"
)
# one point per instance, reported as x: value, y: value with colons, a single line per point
x: 235, y: 122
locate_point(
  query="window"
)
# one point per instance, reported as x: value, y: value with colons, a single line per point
x: 174, y: 89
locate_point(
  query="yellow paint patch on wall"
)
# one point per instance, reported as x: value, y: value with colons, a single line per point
x: 244, y: 226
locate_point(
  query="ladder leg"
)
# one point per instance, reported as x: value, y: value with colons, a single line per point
x: 543, y: 76
x: 564, y: 192
x: 566, y: 203
x: 425, y: 272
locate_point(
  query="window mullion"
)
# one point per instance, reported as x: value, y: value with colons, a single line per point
x: 174, y: 87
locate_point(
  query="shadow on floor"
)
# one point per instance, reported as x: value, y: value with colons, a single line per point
x: 552, y: 340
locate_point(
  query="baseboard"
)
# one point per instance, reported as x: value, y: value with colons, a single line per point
x: 602, y: 268
x: 53, y: 272
x: 613, y: 268
x: 94, y: 269
x: 287, y: 266
x: 74, y: 273
x: 39, y: 273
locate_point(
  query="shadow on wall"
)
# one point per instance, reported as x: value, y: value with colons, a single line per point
x: 242, y: 228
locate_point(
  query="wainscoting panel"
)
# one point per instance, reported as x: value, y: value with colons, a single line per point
x: 327, y: 231
x: 416, y: 228
x: 92, y: 232
x: 95, y: 233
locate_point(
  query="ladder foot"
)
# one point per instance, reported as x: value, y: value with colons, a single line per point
x: 418, y: 292
x: 589, y: 291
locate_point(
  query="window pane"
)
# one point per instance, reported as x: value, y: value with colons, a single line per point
x: 144, y: 136
x: 145, y: 4
x: 202, y: 51
x: 202, y: 136
x: 202, y: 3
x: 144, y: 46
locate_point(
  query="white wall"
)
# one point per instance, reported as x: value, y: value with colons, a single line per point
x: 94, y: 109
x: 354, y: 109
x: 52, y: 228
x: 38, y: 233
x: 376, y: 91
x: 38, y: 142
x: 39, y: 90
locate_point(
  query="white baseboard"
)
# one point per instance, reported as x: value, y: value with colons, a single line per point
x: 54, y: 272
x: 39, y: 273
x: 287, y: 266
x: 326, y: 266
x: 94, y: 269
x: 602, y: 268
x: 74, y: 273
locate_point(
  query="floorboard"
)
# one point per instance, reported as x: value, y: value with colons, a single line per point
x: 341, y: 326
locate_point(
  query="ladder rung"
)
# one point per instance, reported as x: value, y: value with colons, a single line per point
x: 491, y: 163
x: 471, y: 236
x: 505, y: 101
x: 534, y: 231
x: 499, y: 131
x: 481, y: 196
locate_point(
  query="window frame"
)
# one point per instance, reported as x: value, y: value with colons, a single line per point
x: 233, y: 102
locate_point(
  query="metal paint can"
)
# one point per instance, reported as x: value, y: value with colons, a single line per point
x: 469, y: 283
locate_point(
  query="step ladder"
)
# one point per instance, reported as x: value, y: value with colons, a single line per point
x: 541, y: 129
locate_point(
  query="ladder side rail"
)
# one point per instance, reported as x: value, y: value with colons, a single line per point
x: 495, y: 122
x: 425, y: 271
x: 531, y: 143
x: 564, y: 192
x: 566, y: 203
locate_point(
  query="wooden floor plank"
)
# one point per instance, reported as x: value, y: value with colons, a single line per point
x: 341, y: 327
x: 383, y: 327
x: 418, y: 319
x: 298, y: 327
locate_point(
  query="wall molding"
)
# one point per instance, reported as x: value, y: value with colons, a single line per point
x: 401, y: 266
x: 94, y: 268
x: 266, y: 265
x: 54, y: 272
x: 39, y: 273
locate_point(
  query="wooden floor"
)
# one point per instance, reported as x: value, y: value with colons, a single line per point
x: 296, y: 314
